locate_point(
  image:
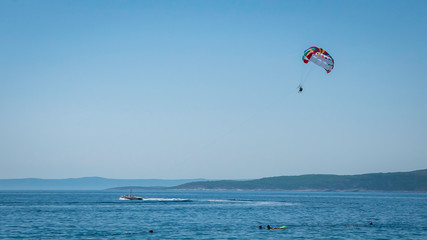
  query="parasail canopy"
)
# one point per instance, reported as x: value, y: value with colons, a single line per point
x: 319, y: 57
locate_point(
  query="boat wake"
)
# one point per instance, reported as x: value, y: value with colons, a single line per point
x: 251, y: 202
x: 167, y: 199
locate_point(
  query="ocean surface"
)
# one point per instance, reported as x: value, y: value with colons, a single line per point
x: 212, y: 215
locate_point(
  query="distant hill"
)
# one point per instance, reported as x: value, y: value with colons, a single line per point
x: 415, y: 181
x: 86, y: 183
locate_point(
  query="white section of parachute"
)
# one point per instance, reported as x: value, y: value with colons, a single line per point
x: 322, y: 61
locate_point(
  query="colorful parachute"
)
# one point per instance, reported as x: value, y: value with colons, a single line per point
x: 319, y: 57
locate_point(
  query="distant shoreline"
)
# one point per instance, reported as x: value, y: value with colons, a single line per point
x: 414, y: 181
x: 405, y: 182
x: 209, y: 190
x: 305, y: 190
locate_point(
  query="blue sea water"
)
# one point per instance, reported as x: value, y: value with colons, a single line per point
x: 212, y: 215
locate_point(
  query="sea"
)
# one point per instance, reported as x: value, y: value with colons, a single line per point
x: 171, y: 214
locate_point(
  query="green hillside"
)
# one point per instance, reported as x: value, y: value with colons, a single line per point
x: 415, y: 181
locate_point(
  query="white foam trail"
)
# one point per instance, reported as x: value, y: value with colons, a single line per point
x: 253, y: 202
x: 167, y: 199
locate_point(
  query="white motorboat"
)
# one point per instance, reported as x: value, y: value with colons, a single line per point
x: 130, y: 196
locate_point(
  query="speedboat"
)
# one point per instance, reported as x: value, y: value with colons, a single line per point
x: 130, y: 197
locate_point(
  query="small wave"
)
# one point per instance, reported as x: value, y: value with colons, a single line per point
x: 230, y: 200
x: 277, y: 203
x: 220, y: 200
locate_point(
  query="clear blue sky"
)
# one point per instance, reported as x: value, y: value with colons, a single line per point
x: 188, y: 89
